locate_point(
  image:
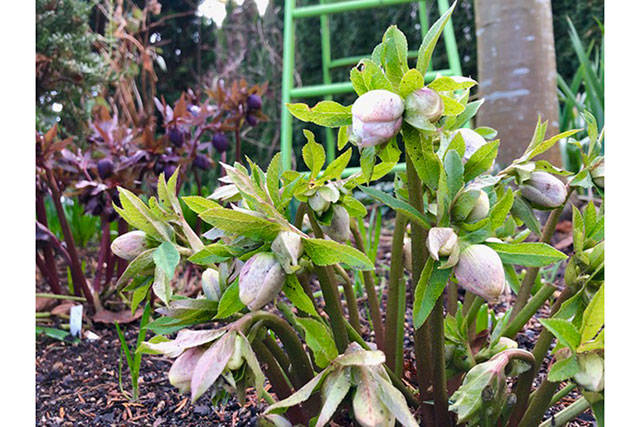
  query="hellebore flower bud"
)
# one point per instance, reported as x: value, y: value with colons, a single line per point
x: 441, y: 242
x: 260, y: 280
x: 591, y: 373
x: 211, y: 284
x: 201, y: 161
x: 105, y: 168
x: 544, y: 191
x: 423, y: 105
x: 338, y: 230
x: 597, y: 175
x: 252, y: 120
x: 130, y: 245
x: 323, y: 197
x: 376, y: 117
x: 235, y: 362
x: 287, y: 247
x: 176, y: 136
x: 254, y: 102
x: 480, y: 271
x: 169, y: 170
x: 220, y: 142
x: 472, y: 141
x: 471, y: 205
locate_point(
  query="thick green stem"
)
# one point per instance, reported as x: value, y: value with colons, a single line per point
x: 539, y: 403
x: 528, y: 310
x: 452, y: 298
x: 370, y: 287
x: 539, y: 351
x: 396, y: 301
x: 352, y: 304
x: 331, y: 296
x: 277, y: 352
x: 568, y: 413
x: 422, y: 337
x: 562, y: 393
x: 530, y: 277
x: 470, y: 317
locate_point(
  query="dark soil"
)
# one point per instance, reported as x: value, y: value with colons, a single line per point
x: 77, y: 383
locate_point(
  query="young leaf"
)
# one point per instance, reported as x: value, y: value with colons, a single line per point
x: 501, y: 209
x: 236, y: 222
x: 324, y: 113
x: 451, y: 106
x: 397, y: 205
x: 454, y: 170
x: 564, y: 331
x: 230, y: 302
x: 273, y: 178
x: 469, y: 112
x: 313, y: 154
x: 528, y: 254
x: 394, y: 54
x: 564, y: 369
x: 199, y: 204
x: 162, y: 285
x: 481, y: 160
x: 593, y: 317
x: 319, y: 340
x: 166, y: 257
x: 336, y: 167
x: 430, y: 39
x: 293, y: 290
x: 301, y: 395
x: 523, y: 211
x: 140, y: 264
x: 411, y: 81
x: 211, y: 254
x: 335, y: 388
x: 425, y: 161
x: 451, y: 83
x: 328, y: 252
x: 354, y: 207
x: 429, y: 288
x: 368, y: 75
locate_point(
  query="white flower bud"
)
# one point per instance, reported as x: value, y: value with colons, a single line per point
x: 211, y: 284
x: 260, y: 280
x: 591, y: 373
x: 130, y: 245
x: 338, y: 230
x: 480, y: 271
x: 441, y: 241
x: 471, y: 206
x: 472, y: 142
x: 376, y: 117
x: 597, y: 175
x: 288, y: 248
x: 544, y: 190
x: 236, y: 360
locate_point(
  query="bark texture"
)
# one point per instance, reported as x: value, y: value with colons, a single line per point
x: 517, y: 72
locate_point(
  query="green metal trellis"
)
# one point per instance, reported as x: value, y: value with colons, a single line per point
x: 329, y: 88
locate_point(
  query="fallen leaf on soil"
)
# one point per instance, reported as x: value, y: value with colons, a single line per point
x: 564, y: 227
x: 124, y: 316
x: 43, y: 304
x: 62, y: 308
x: 564, y: 243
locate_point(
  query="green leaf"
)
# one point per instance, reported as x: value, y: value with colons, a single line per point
x: 397, y: 205
x: 523, y: 211
x: 578, y: 230
x: 236, y: 222
x: 293, y: 290
x: 501, y: 209
x: 429, y: 288
x: 162, y: 285
x: 343, y: 137
x: 137, y: 214
x: 593, y: 317
x: 430, y: 39
x: 367, y: 162
x: 481, y: 160
x: 140, y: 264
x: 582, y: 179
x: 319, y: 339
x: 336, y: 167
x: 564, y: 331
x: 451, y: 83
x: 167, y: 257
x: 313, y: 154
x: 354, y: 207
x: 455, y: 171
x: 411, y: 81
x: 138, y: 295
x: 199, y: 204
x: 469, y: 112
x: 528, y: 254
x: 324, y: 113
x: 547, y: 144
x: 394, y: 54
x: 424, y: 160
x: 485, y: 131
x: 564, y: 369
x: 368, y: 75
x: 451, y: 106
x: 300, y: 395
x: 335, y: 388
x: 328, y: 252
x: 211, y: 254
x: 230, y: 302
x: 273, y: 178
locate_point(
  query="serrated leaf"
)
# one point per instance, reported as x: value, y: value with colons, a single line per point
x: 451, y: 106
x: 313, y: 154
x: 481, y: 160
x: 470, y: 110
x: 424, y: 160
x: 319, y: 339
x: 167, y: 257
x: 451, y: 83
x: 411, y: 81
x: 527, y: 254
x: 293, y: 290
x: 455, y: 173
x: 245, y: 224
x: 564, y: 369
x: 211, y: 254
x: 140, y: 264
x: 335, y: 168
x: 523, y: 211
x: 199, y: 204
x: 329, y: 252
x: 335, y: 388
x: 564, y: 331
x: 430, y: 39
x: 368, y: 75
x: 394, y: 54
x: 300, y: 395
x: 354, y: 207
x: 229, y: 302
x: 593, y: 317
x: 273, y: 178
x: 429, y: 288
x: 162, y: 285
x: 397, y: 205
x: 501, y: 209
x: 324, y: 113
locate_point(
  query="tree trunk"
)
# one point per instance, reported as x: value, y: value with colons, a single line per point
x: 517, y: 72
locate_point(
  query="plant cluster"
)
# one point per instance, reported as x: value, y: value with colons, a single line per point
x: 472, y: 229
x: 118, y: 154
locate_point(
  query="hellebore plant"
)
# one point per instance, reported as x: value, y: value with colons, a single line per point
x: 468, y: 229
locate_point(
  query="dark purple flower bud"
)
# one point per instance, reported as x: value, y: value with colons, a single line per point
x: 158, y: 167
x: 169, y: 170
x: 105, y: 168
x: 254, y: 102
x: 220, y: 142
x: 176, y: 136
x: 252, y: 120
x: 201, y: 161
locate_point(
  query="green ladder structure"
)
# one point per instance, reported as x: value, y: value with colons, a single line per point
x: 329, y: 88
